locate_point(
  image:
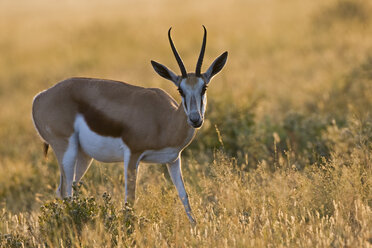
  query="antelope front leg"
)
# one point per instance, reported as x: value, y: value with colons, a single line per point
x: 130, y: 176
x: 176, y: 175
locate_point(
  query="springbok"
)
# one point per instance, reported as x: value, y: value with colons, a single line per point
x: 111, y: 121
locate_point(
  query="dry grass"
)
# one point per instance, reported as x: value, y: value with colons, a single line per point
x: 289, y: 164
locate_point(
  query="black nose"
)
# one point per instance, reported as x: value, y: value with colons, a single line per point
x: 194, y: 119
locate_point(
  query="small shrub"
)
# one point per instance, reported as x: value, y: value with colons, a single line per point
x: 65, y: 219
x: 14, y: 241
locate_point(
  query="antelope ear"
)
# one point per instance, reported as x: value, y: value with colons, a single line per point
x: 216, y: 66
x: 164, y: 72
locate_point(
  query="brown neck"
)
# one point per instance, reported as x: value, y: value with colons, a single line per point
x: 182, y: 127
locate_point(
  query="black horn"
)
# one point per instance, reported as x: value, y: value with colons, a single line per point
x: 178, y: 58
x: 201, y: 56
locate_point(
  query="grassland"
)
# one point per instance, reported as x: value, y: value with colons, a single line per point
x: 283, y: 160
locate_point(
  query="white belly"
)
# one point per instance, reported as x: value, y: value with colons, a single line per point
x: 101, y: 148
x: 166, y: 155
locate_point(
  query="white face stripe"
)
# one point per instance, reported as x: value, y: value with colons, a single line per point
x: 204, y: 101
x: 193, y: 99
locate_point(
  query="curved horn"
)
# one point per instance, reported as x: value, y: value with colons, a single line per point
x: 178, y: 58
x: 201, y: 56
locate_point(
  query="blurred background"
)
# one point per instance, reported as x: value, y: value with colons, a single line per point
x: 296, y: 90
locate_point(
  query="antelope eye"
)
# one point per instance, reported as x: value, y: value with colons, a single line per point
x: 181, y: 92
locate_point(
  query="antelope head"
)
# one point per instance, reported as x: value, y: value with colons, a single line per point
x: 192, y: 86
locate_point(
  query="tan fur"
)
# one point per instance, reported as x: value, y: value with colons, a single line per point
x: 145, y: 118
x: 192, y: 79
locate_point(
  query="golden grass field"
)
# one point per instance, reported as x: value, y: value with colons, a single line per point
x: 284, y: 158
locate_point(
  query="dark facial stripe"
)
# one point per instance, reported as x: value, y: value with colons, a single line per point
x: 184, y: 102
